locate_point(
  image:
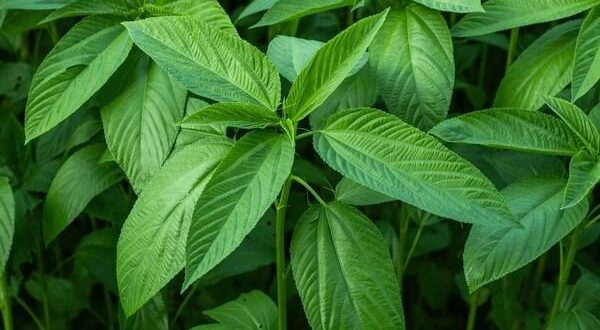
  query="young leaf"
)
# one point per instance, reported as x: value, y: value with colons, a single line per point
x: 240, y: 115
x: 291, y: 55
x: 414, y: 64
x: 151, y: 248
x: 153, y: 315
x: 332, y: 64
x: 580, y: 124
x: 544, y: 68
x: 383, y: 153
x: 584, y: 173
x: 250, y: 311
x: 457, y: 6
x: 7, y: 220
x: 209, y: 62
x: 515, y: 129
x: 491, y: 252
x: 244, y: 185
x: 501, y: 15
x: 330, y: 249
x: 586, y: 71
x: 350, y: 192
x: 256, y: 6
x: 285, y: 10
x: 207, y: 11
x: 79, y: 180
x: 87, y: 7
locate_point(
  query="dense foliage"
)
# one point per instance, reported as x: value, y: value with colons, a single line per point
x: 325, y: 164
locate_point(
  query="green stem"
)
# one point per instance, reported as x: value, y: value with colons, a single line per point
x: 403, y: 223
x: 472, y: 310
x: 182, y: 306
x: 413, y: 246
x: 109, y: 310
x: 31, y: 314
x: 564, y: 272
x: 309, y: 189
x: 512, y: 47
x: 537, y: 279
x: 5, y: 303
x: 305, y: 135
x: 280, y: 253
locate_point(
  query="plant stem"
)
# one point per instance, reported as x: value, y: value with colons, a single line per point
x: 537, y: 279
x: 31, y: 314
x: 280, y: 253
x: 309, y: 189
x: 307, y: 134
x: 512, y: 46
x: 183, y: 304
x: 5, y: 303
x: 472, y: 310
x: 403, y: 223
x: 413, y: 246
x: 564, y: 272
x: 109, y: 309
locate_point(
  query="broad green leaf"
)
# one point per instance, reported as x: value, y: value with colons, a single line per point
x: 543, y: 69
x: 515, y: 129
x: 207, y: 11
x: 383, y: 153
x: 40, y: 177
x: 491, y: 252
x: 291, y: 55
x: 256, y: 6
x: 139, y: 123
x: 330, y: 250
x: 586, y: 71
x: 501, y: 15
x: 239, y: 193
x: 575, y: 320
x: 356, y: 91
x: 350, y: 192
x: 457, y: 6
x: 80, y: 63
x: 7, y: 220
x: 151, y: 249
x: 330, y: 66
x: 79, y: 180
x: 208, y: 61
x: 580, y: 124
x: 584, y: 173
x: 250, y: 311
x: 153, y: 315
x: 414, y: 64
x: 240, y: 115
x: 87, y: 7
x: 97, y: 253
x: 33, y: 4
x: 285, y: 10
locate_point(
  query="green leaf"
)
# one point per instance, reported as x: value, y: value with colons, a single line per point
x: 78, y: 66
x: 575, y: 320
x: 543, y: 69
x: 7, y: 220
x: 250, y: 311
x: 350, y: 192
x: 456, y: 6
x: 515, y: 129
x: 491, y: 252
x: 79, y: 180
x: 154, y: 315
x: 286, y: 10
x: 501, y: 15
x: 383, y: 153
x: 240, y: 115
x: 584, y: 173
x: 139, y: 123
x: 291, y: 55
x: 256, y: 6
x: 239, y: 193
x: 87, y: 7
x: 330, y: 66
x: 209, y: 62
x: 151, y: 249
x: 586, y: 71
x: 414, y: 64
x: 330, y: 248
x: 580, y: 124
x: 97, y: 253
x: 32, y: 4
x: 208, y: 11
